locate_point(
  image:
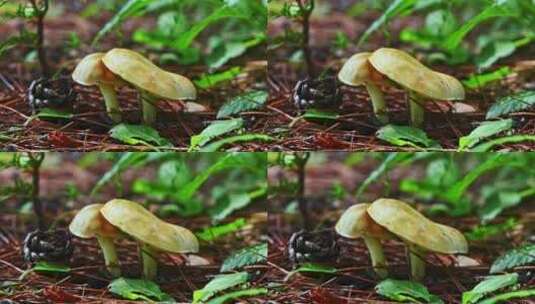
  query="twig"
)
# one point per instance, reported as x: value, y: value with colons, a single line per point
x: 40, y: 13
x: 36, y: 159
x: 306, y: 11
x: 301, y: 160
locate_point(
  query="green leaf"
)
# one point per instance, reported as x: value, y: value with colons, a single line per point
x: 131, y: 8
x: 314, y: 114
x: 215, y: 129
x: 483, y: 232
x: 185, y: 39
x: 513, y: 103
x: 490, y: 284
x: 493, y: 11
x: 390, y: 161
x: 406, y: 136
x: 480, y: 80
x: 398, y: 7
x: 521, y: 256
x: 127, y: 160
x: 51, y: 113
x: 245, y: 102
x: 208, y: 81
x: 312, y: 268
x: 238, y: 294
x: 212, y: 233
x: 485, y: 130
x: 217, y: 145
x: 526, y: 293
x: 494, y: 52
x: 229, y: 50
x: 218, y: 284
x: 403, y: 291
x: 51, y: 267
x: 245, y: 257
x: 501, y: 141
x: 133, y: 289
x: 138, y: 134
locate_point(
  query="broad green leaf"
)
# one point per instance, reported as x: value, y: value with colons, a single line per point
x: 131, y: 8
x: 490, y: 284
x: 229, y: 50
x: 138, y: 134
x: 493, y: 11
x: 513, y: 103
x: 485, y: 130
x: 218, y: 284
x: 133, y: 289
x: 398, y: 7
x: 501, y: 141
x: 406, y: 291
x: 526, y: 293
x: 215, y: 129
x: 227, y: 298
x: 245, y: 102
x: 494, y: 52
x: 212, y: 233
x: 495, y: 204
x: 208, y: 81
x: 312, y: 268
x: 217, y: 145
x: 314, y: 114
x: 127, y: 160
x: 483, y: 232
x: 245, y: 257
x: 51, y: 267
x: 185, y: 39
x: 391, y: 160
x: 406, y: 136
x: 481, y: 80
x: 524, y: 255
x: 51, y: 113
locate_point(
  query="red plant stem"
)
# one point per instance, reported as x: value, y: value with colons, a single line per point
x: 306, y: 12
x: 40, y: 12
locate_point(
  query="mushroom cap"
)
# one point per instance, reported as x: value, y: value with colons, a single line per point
x: 412, y: 227
x: 89, y: 223
x: 355, y: 222
x: 92, y: 71
x: 145, y: 75
x: 404, y: 69
x: 136, y: 221
x: 356, y: 70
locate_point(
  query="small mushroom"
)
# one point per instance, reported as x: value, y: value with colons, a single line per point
x: 89, y: 223
x: 153, y: 234
x: 91, y: 71
x: 152, y: 82
x: 420, y: 234
x: 358, y: 71
x: 354, y: 223
x: 421, y: 82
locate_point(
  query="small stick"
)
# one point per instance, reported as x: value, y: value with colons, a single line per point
x: 306, y: 11
x: 40, y: 13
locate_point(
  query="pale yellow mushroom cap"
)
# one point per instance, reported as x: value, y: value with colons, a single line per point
x: 356, y: 70
x: 89, y: 223
x: 411, y: 226
x: 92, y: 71
x: 136, y: 221
x: 404, y: 69
x: 355, y: 222
x: 145, y: 75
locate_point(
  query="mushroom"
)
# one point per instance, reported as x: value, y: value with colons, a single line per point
x: 91, y: 71
x: 358, y: 71
x: 151, y: 81
x: 419, y: 80
x: 354, y: 223
x: 420, y: 234
x: 89, y: 223
x: 153, y: 234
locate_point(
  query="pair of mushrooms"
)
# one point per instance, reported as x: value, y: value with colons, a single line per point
x: 386, y: 66
x: 119, y: 67
x: 387, y: 219
x: 106, y: 222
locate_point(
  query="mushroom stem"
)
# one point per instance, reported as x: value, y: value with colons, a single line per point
x: 417, y: 263
x: 417, y: 111
x: 150, y: 264
x: 110, y: 255
x: 377, y: 256
x: 148, y: 108
x: 378, y: 102
x: 112, y: 104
